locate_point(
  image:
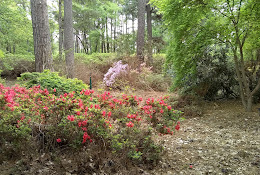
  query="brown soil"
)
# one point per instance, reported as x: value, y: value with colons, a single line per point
x: 221, y: 139
x: 224, y: 140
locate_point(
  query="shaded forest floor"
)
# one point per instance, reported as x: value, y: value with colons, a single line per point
x: 222, y: 139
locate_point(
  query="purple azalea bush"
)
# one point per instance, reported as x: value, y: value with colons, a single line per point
x: 113, y: 72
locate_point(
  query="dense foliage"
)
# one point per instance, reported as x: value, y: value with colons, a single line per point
x: 201, y: 26
x: 51, y: 80
x: 31, y: 116
x: 15, y: 27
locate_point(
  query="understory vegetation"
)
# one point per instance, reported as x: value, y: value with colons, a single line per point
x: 50, y: 113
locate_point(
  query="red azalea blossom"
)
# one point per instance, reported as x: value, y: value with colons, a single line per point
x: 177, y: 127
x: 71, y: 117
x: 84, y: 123
x: 161, y: 111
x: 79, y: 124
x: 58, y: 140
x: 130, y: 124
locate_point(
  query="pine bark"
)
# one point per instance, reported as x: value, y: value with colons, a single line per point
x: 60, y: 31
x: 41, y: 35
x: 141, y: 30
x: 68, y: 38
x: 149, y: 34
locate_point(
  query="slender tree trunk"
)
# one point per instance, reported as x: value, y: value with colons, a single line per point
x: 104, y: 39
x: 133, y: 34
x: 141, y: 29
x: 122, y: 25
x: 107, y: 38
x: 111, y: 35
x: 245, y: 93
x: 60, y: 31
x: 133, y: 24
x: 68, y: 38
x: 126, y: 19
x: 149, y: 34
x: 41, y: 35
x: 13, y: 48
x: 77, y: 42
x: 115, y: 37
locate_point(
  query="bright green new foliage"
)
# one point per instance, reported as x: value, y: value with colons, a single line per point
x: 51, y: 81
x: 202, y: 25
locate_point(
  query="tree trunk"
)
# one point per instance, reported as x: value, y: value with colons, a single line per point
x: 149, y: 34
x: 60, y: 31
x: 115, y: 37
x: 41, y: 35
x: 77, y: 42
x: 126, y: 19
x: 111, y: 33
x: 107, y: 38
x: 141, y: 29
x: 245, y: 93
x: 13, y: 48
x: 68, y: 38
x: 133, y: 24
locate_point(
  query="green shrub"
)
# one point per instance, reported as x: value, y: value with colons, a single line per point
x: 95, y: 58
x: 50, y: 81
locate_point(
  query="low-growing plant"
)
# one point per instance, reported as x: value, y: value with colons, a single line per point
x: 51, y: 81
x: 122, y: 126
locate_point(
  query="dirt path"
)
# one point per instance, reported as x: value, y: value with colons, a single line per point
x: 225, y: 140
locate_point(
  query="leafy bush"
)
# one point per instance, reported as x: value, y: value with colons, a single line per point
x: 210, y: 76
x: 95, y: 58
x: 121, y: 126
x: 50, y: 81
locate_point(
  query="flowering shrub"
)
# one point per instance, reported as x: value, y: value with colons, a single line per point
x: 117, y: 69
x: 123, y: 124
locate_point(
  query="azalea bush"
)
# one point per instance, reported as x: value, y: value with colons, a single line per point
x: 114, y: 72
x: 122, y: 126
x: 138, y: 76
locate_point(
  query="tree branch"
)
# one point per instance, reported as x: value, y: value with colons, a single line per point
x: 256, y: 88
x: 238, y: 15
